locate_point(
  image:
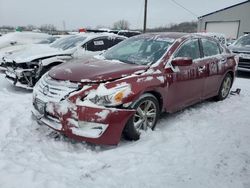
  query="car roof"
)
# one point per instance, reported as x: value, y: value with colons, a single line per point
x: 91, y: 35
x: 172, y: 35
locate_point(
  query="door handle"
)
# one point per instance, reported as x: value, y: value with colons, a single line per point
x: 201, y: 68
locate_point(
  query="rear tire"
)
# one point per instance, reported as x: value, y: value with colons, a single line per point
x: 146, y: 116
x: 225, y: 87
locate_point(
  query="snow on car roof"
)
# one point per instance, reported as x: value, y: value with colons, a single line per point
x: 218, y: 36
x: 173, y: 35
x: 92, y: 35
x: 22, y: 38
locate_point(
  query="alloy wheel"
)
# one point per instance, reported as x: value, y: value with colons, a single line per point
x: 226, y: 86
x: 145, y: 116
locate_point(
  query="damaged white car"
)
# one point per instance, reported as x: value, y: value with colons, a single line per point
x: 13, y: 49
x: 25, y: 67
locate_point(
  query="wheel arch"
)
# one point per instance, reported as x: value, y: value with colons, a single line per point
x: 158, y: 96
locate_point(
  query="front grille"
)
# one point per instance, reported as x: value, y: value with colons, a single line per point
x: 52, y: 90
x: 16, y: 65
x: 244, y: 60
x: 244, y: 63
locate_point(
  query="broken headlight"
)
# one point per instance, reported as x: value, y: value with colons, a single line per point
x: 109, y: 97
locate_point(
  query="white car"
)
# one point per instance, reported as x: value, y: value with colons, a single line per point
x: 15, y: 48
x: 25, y: 67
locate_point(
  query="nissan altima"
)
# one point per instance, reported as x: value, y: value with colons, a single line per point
x: 124, y: 90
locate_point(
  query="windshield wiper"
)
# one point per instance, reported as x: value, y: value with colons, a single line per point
x: 126, y: 61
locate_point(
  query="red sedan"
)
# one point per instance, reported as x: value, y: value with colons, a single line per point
x: 124, y: 90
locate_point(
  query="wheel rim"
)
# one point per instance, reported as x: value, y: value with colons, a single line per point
x: 226, y: 86
x: 145, y: 116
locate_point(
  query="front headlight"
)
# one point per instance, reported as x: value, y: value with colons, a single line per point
x: 109, y: 97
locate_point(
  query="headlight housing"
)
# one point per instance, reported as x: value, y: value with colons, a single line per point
x: 109, y: 97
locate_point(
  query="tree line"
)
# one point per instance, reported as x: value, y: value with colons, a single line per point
x: 188, y: 27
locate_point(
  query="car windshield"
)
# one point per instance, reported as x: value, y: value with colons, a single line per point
x: 139, y: 50
x: 68, y: 42
x: 243, y: 41
x: 48, y: 40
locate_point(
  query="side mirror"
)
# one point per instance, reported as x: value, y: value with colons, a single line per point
x: 183, y: 61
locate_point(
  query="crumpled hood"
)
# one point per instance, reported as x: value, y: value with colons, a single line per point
x: 5, y: 52
x: 94, y: 70
x: 35, y: 52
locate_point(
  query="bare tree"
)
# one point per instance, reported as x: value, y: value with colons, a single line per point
x: 121, y: 24
x: 30, y: 27
x: 48, y: 28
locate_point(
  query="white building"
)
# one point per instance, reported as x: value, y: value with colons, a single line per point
x: 232, y: 21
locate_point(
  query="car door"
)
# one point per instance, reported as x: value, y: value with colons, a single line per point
x: 187, y: 82
x: 213, y: 58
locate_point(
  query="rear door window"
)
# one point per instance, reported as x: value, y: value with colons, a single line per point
x: 210, y: 48
x: 102, y: 43
x: 98, y: 44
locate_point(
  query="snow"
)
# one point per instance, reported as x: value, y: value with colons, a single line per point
x: 19, y: 38
x: 33, y: 52
x: 68, y: 70
x: 12, y: 49
x: 90, y: 129
x: 87, y: 80
x: 206, y: 145
x: 161, y: 78
x: 102, y: 115
x: 145, y: 79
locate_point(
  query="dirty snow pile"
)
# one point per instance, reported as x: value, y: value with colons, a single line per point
x: 207, y: 145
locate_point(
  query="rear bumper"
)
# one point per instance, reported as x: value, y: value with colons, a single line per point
x: 91, y: 124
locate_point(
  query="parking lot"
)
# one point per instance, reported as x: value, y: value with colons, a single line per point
x: 206, y: 145
x: 125, y: 94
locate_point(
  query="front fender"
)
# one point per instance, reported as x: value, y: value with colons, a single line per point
x: 141, y: 84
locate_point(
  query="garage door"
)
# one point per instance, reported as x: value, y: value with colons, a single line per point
x: 230, y: 29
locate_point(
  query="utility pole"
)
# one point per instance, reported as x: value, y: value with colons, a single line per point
x: 64, y: 25
x: 145, y: 16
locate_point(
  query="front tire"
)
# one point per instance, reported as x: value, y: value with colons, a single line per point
x: 225, y: 87
x: 146, y: 116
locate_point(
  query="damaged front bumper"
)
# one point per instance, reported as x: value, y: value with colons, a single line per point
x: 92, y: 124
x: 24, y: 78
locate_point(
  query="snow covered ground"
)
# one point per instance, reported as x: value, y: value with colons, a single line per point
x: 207, y: 145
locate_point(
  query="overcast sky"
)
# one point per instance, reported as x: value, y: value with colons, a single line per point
x: 93, y: 13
